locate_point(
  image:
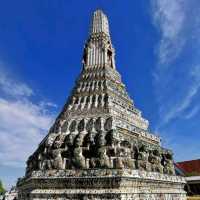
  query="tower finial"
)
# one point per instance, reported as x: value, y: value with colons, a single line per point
x: 99, y: 23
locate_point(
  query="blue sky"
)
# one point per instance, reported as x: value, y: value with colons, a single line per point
x: 157, y: 46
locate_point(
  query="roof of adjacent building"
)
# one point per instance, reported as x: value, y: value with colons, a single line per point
x: 190, y: 166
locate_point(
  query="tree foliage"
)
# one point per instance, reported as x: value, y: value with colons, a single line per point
x: 194, y: 173
x: 2, y: 190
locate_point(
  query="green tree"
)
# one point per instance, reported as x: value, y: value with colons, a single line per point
x: 2, y: 190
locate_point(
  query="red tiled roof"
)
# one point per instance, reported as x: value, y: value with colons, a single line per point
x: 189, y: 166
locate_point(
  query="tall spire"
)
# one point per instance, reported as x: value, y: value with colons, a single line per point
x: 99, y: 103
x: 100, y: 23
x: 98, y: 51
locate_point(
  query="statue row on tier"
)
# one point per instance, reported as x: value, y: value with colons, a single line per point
x: 90, y: 125
x: 98, y: 150
x: 85, y: 102
x: 155, y: 160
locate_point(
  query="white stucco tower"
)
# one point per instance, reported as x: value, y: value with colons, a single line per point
x: 100, y: 146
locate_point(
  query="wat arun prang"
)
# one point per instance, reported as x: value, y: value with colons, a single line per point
x: 100, y: 146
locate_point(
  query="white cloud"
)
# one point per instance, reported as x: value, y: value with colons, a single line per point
x: 195, y: 73
x: 178, y: 23
x: 176, y: 85
x: 169, y: 17
x: 193, y: 89
x: 23, y: 122
x: 192, y: 112
x: 178, y: 108
x: 13, y: 87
